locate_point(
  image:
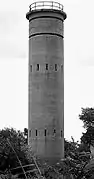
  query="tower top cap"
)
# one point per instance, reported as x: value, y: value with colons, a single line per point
x: 45, y: 5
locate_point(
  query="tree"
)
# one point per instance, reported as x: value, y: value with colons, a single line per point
x: 70, y: 147
x: 11, y: 139
x: 87, y: 116
x: 87, y: 139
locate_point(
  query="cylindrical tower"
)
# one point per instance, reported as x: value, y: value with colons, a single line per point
x: 46, y: 80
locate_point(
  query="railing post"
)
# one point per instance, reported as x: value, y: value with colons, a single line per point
x: 30, y: 8
x: 59, y: 5
x: 43, y: 3
x: 52, y: 4
x: 35, y: 5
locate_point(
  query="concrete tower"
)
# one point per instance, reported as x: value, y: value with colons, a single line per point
x: 46, y: 80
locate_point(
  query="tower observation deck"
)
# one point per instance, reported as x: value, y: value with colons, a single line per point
x: 46, y: 80
x: 46, y: 5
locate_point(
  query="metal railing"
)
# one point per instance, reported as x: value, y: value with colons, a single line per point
x: 46, y: 5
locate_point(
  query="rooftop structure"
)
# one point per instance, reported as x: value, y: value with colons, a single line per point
x: 46, y: 5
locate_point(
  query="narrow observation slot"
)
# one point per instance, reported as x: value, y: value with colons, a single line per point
x: 45, y: 132
x: 62, y: 68
x: 29, y: 133
x: 46, y: 66
x: 61, y: 133
x: 37, y: 67
x: 55, y: 67
x: 54, y: 131
x: 31, y: 68
x: 36, y: 132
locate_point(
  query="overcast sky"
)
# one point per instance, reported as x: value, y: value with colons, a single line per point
x: 78, y: 57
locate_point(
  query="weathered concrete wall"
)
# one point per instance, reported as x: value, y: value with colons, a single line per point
x: 46, y: 85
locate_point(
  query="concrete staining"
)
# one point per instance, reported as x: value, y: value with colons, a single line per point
x: 46, y: 84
